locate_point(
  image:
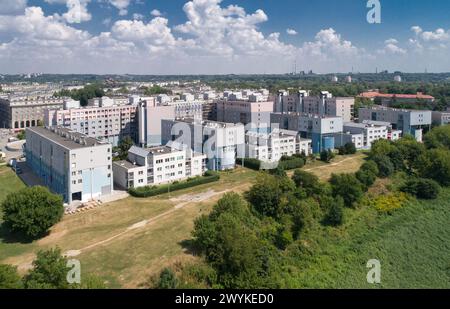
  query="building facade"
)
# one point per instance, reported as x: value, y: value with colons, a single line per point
x: 221, y: 142
x: 20, y: 112
x: 321, y: 130
x: 408, y: 121
x: 77, y: 167
x: 108, y: 123
x: 157, y: 165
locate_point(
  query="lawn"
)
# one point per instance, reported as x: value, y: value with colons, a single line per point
x: 412, y: 245
x: 111, y: 242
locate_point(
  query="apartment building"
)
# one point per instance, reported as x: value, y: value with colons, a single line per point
x: 157, y: 165
x: 110, y: 123
x: 248, y: 112
x: 323, y: 105
x: 220, y: 142
x: 321, y: 130
x: 272, y: 146
x: 386, y: 99
x: 24, y: 111
x: 441, y: 118
x: 77, y: 167
x: 369, y: 132
x: 408, y: 121
x: 150, y: 116
x: 107, y: 101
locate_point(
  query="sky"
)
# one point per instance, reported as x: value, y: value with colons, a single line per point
x: 222, y: 37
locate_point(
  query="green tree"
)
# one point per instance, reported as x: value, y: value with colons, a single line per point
x: 167, y: 279
x: 385, y: 165
x: 49, y: 271
x: 308, y: 182
x: 438, y: 137
x: 267, y: 194
x: 348, y: 187
x: 9, y: 277
x: 327, y: 155
x: 32, y: 211
x: 123, y: 147
x: 335, y: 212
x: 422, y: 188
x: 435, y: 164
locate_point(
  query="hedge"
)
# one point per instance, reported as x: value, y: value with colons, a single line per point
x: 253, y: 164
x: 149, y: 191
x: 292, y: 163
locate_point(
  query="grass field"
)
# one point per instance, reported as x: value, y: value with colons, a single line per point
x: 412, y: 245
x: 125, y: 242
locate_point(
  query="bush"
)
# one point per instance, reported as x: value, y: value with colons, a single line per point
x: 49, y: 271
x: 348, y: 187
x: 335, y: 211
x: 32, y: 211
x: 327, y: 155
x: 9, y: 277
x: 253, y: 164
x: 388, y: 203
x: 167, y: 279
x: 370, y: 166
x: 292, y: 163
x: 435, y: 164
x: 385, y: 166
x: 347, y: 149
x: 366, y: 177
x: 422, y: 188
x: 148, y: 191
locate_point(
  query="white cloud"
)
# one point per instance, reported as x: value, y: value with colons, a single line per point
x: 391, y: 47
x: 137, y: 16
x: 77, y: 10
x: 155, y: 13
x: 12, y: 6
x: 121, y: 5
x: 291, y: 31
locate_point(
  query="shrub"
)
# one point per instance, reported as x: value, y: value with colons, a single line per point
x: 250, y: 163
x: 9, y: 277
x: 335, y: 211
x: 366, y: 177
x: 292, y: 163
x: 347, y: 149
x: 348, y: 187
x: 148, y: 191
x: 385, y: 166
x: 49, y: 271
x: 327, y: 155
x: 389, y: 203
x: 167, y: 279
x: 422, y: 188
x: 32, y: 211
x: 371, y: 166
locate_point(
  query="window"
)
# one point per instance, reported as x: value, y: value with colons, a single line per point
x: 80, y: 180
x: 74, y: 165
x: 74, y: 173
x: 73, y: 156
x: 74, y: 182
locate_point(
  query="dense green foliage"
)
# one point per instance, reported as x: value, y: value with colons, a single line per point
x: 422, y: 188
x: 9, y: 277
x: 167, y: 279
x: 156, y: 90
x: 32, y: 211
x: 327, y: 155
x: 348, y: 187
x: 49, y: 271
x: 347, y: 149
x: 148, y: 191
x: 122, y: 148
x: 251, y: 163
x: 83, y: 95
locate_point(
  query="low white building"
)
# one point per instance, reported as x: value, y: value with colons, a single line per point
x: 271, y: 147
x: 157, y: 165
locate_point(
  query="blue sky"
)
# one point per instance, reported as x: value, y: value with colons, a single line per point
x: 229, y: 36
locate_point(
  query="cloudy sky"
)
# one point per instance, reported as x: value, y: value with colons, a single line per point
x: 217, y: 37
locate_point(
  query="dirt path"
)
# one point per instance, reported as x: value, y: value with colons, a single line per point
x: 187, y: 199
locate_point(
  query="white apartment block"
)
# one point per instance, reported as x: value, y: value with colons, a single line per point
x: 220, y: 142
x: 370, y: 133
x: 107, y: 101
x: 323, y: 105
x: 157, y: 165
x: 77, y: 167
x: 108, y: 123
x: 248, y: 112
x: 271, y: 147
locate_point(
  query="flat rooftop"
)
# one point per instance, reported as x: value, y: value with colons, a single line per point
x: 67, y: 138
